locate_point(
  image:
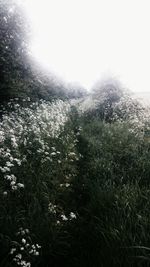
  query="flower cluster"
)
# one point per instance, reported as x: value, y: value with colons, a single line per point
x: 23, y: 250
x: 38, y: 154
x: 134, y: 112
x: 60, y: 215
x: 120, y: 107
x: 9, y: 162
x: 70, y: 217
x: 27, y: 130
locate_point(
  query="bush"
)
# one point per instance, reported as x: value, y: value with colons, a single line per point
x: 38, y: 164
x: 73, y: 192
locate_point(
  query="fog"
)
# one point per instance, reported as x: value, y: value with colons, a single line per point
x: 84, y: 41
x: 74, y: 133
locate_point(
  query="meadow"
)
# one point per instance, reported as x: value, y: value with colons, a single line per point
x: 74, y: 187
x: 74, y: 164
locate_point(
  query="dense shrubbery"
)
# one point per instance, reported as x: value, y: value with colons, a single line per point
x: 74, y: 177
x: 38, y: 158
x: 74, y: 191
x: 20, y: 76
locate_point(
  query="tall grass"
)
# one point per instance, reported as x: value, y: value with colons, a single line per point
x: 74, y: 191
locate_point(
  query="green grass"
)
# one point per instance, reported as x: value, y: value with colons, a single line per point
x: 80, y: 194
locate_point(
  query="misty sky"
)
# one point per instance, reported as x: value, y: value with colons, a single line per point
x: 86, y: 40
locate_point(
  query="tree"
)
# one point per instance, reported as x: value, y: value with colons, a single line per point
x: 13, y: 49
x: 20, y: 76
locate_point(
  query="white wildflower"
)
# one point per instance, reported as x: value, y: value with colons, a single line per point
x: 18, y: 161
x: 73, y: 215
x: 19, y: 256
x: 72, y: 154
x: 64, y: 218
x: 38, y: 246
x: 12, y: 183
x: 14, y: 187
x: 23, y: 241
x: 20, y: 185
x: 67, y: 184
x: 52, y: 208
x: 9, y: 164
x: 53, y: 154
x: 12, y: 250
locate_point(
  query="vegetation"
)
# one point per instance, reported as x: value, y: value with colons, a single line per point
x: 20, y: 77
x: 74, y: 168
x: 74, y: 191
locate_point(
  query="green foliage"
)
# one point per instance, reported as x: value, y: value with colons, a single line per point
x: 114, y: 153
x: 113, y: 227
x: 13, y: 49
x: 73, y: 192
x: 74, y: 187
x: 114, y: 187
x: 20, y: 77
x: 38, y: 165
x: 105, y: 95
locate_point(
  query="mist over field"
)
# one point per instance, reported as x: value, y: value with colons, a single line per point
x: 74, y: 162
x: 143, y: 96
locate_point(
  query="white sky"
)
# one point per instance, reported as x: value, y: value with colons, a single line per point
x: 84, y: 40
